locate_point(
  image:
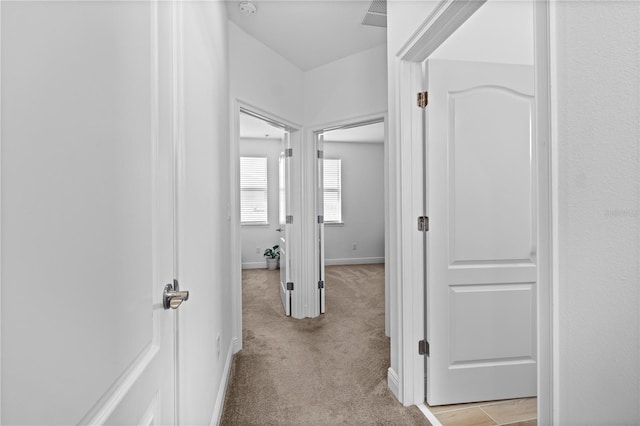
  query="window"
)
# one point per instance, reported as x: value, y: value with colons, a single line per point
x: 332, y: 190
x: 253, y: 190
x: 282, y: 200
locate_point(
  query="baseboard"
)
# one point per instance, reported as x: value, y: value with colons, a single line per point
x: 254, y: 265
x: 354, y: 261
x: 236, y: 344
x: 222, y: 389
x: 393, y: 383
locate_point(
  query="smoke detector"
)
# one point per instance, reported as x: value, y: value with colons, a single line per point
x: 247, y: 8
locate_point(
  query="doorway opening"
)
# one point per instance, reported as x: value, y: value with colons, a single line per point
x: 487, y: 111
x: 350, y: 198
x: 480, y: 193
x: 262, y: 190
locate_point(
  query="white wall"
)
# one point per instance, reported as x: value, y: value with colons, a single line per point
x: 351, y: 87
x: 204, y: 231
x: 362, y: 205
x: 262, y: 236
x: 598, y: 92
x: 264, y: 79
x: 499, y: 32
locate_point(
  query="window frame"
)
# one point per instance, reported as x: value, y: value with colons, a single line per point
x: 264, y: 189
x: 338, y: 190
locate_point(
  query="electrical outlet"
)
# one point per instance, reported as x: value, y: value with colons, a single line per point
x: 218, y: 345
x: 257, y: 250
x: 354, y: 246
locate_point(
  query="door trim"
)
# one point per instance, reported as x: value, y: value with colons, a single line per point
x: 405, y: 196
x: 447, y: 17
x: 1, y: 211
x: 177, y: 141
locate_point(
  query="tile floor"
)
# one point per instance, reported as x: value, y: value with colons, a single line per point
x: 513, y: 412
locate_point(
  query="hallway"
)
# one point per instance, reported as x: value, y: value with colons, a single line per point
x: 327, y: 370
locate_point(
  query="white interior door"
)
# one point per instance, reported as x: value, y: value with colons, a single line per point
x: 481, y: 245
x: 86, y: 216
x: 320, y: 215
x: 286, y: 285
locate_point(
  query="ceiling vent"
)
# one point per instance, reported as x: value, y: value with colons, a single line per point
x: 376, y: 16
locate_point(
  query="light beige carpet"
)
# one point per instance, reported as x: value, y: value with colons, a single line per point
x: 321, y: 371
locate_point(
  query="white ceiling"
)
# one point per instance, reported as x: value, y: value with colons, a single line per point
x: 254, y: 128
x: 310, y: 33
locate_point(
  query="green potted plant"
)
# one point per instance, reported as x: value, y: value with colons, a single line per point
x: 273, y: 256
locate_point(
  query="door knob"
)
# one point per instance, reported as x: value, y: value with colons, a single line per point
x: 279, y: 229
x: 172, y: 297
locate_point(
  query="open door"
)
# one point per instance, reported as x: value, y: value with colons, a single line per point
x: 481, y: 245
x: 320, y: 216
x: 286, y: 284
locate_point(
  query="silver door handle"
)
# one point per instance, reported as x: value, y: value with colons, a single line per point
x: 172, y: 297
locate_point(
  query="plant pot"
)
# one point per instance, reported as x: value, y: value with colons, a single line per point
x: 272, y: 264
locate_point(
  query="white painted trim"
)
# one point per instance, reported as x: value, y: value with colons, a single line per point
x: 254, y: 265
x: 387, y: 225
x: 108, y: 402
x: 356, y: 142
x: 447, y: 17
x: 393, y: 247
x: 236, y: 344
x: 310, y: 230
x: 235, y: 223
x: 161, y: 225
x: 429, y: 415
x: 403, y: 254
x: 300, y: 296
x: 393, y: 382
x: 222, y: 389
x: 551, y: 414
x: 349, y: 121
x: 177, y: 142
x: 411, y: 194
x: 546, y: 154
x: 1, y: 212
x: 354, y: 261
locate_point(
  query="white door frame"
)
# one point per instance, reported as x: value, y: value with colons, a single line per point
x: 406, y: 193
x: 234, y: 212
x: 311, y: 207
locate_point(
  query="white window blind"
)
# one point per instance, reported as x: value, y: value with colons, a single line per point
x: 282, y: 204
x: 253, y: 190
x: 332, y: 190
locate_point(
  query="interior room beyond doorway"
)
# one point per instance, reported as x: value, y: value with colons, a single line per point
x: 354, y: 195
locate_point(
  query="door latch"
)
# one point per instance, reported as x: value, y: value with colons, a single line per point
x: 172, y: 297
